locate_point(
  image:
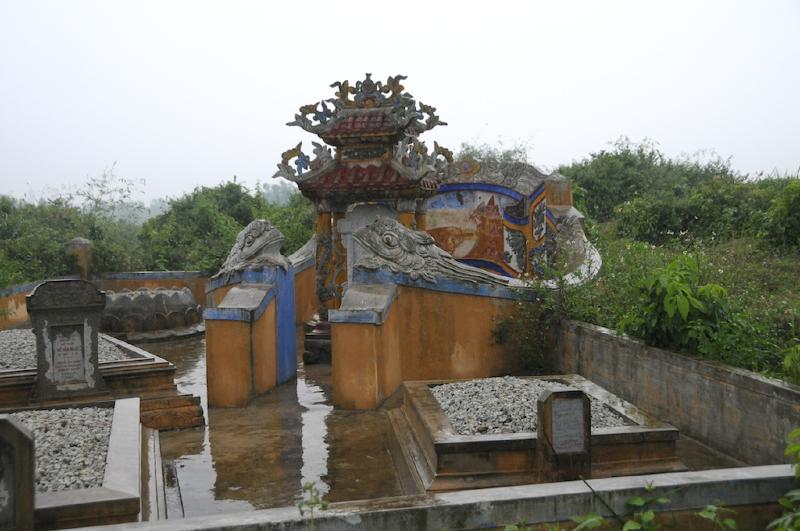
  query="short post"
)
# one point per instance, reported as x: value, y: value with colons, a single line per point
x: 66, y: 317
x: 563, y: 434
x: 16, y: 475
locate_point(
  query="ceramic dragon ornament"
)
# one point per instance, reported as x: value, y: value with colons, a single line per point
x: 392, y: 246
x: 257, y: 245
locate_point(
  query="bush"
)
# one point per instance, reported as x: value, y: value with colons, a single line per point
x: 720, y: 209
x: 198, y: 229
x: 629, y: 170
x: 784, y: 216
x: 32, y: 238
x: 677, y: 312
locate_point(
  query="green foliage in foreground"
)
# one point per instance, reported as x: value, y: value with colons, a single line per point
x: 641, y: 515
x: 790, y: 519
x: 752, y: 323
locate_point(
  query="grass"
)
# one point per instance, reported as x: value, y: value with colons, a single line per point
x: 763, y: 287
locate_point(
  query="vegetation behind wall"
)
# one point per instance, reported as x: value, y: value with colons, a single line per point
x: 194, y: 231
x: 696, y: 257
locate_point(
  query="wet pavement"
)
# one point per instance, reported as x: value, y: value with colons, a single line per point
x: 261, y: 456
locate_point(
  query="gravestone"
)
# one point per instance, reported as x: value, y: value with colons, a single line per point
x: 66, y: 316
x: 563, y: 436
x: 16, y: 475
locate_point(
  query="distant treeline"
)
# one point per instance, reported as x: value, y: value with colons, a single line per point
x: 658, y: 200
x: 194, y: 231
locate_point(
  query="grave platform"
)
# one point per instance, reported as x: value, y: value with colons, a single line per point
x: 437, y: 458
x: 120, y: 497
x: 141, y: 375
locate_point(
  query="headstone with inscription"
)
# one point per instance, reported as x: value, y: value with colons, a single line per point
x: 16, y: 475
x: 563, y: 436
x: 66, y: 316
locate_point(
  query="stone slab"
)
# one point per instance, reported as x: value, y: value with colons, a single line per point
x: 66, y: 316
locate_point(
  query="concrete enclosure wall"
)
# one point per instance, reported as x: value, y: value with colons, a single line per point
x: 741, y: 413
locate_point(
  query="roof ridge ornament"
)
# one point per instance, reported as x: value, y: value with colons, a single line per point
x: 374, y: 127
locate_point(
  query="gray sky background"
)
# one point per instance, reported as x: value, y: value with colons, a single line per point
x: 188, y: 93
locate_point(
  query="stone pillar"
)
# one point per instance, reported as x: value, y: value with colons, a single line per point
x: 324, y: 259
x: 244, y: 344
x: 81, y: 250
x: 66, y: 316
x: 339, y: 259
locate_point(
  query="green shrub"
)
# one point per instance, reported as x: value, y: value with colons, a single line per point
x: 198, y: 229
x: 677, y: 312
x: 628, y: 170
x: 784, y: 217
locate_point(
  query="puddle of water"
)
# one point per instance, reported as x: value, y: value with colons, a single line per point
x: 260, y: 456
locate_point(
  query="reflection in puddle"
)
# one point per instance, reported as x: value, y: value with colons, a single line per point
x: 315, y: 449
x: 261, y: 455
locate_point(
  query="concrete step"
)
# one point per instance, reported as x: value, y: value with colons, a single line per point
x: 413, y: 471
x: 153, y: 494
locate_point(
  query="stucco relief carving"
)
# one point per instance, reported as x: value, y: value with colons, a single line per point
x: 389, y: 245
x: 257, y: 245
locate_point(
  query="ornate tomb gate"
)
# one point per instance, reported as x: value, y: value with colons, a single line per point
x: 507, y: 218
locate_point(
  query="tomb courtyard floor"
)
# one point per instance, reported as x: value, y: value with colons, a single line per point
x: 260, y: 456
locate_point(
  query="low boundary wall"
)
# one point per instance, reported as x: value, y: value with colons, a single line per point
x: 738, y: 412
x: 14, y: 312
x: 751, y: 491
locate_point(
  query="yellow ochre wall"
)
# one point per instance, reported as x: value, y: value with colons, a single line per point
x: 265, y: 355
x: 13, y: 311
x: 215, y: 297
x: 427, y: 335
x: 240, y: 359
x: 305, y: 295
x: 228, y: 360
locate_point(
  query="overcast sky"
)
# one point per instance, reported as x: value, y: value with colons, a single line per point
x: 188, y: 93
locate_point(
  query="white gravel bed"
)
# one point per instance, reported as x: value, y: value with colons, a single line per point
x: 71, y: 446
x: 18, y: 350
x: 505, y: 405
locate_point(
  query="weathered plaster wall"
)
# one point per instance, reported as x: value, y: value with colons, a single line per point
x: 241, y: 356
x: 228, y: 364
x: 13, y: 311
x: 751, y: 492
x: 193, y: 280
x: 14, y: 314
x: 738, y: 412
x: 449, y: 335
x: 265, y: 351
x: 305, y: 294
x: 425, y: 335
x: 250, y: 334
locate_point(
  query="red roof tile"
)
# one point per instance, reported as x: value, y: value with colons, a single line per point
x: 372, y: 177
x: 371, y: 122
